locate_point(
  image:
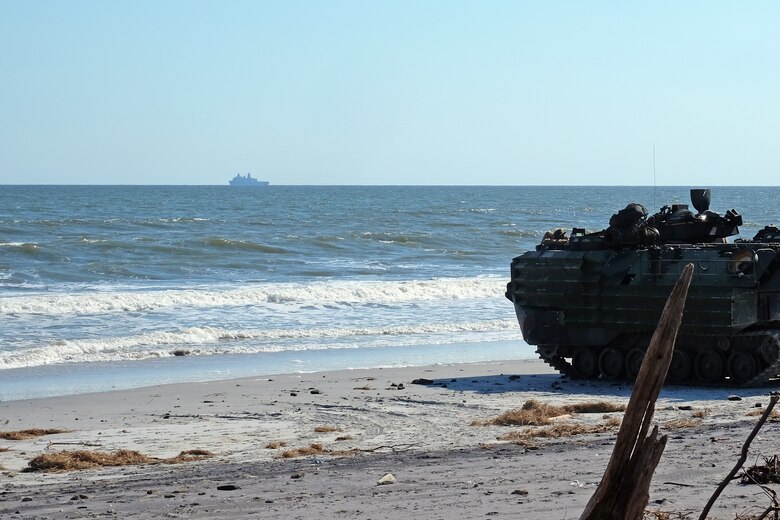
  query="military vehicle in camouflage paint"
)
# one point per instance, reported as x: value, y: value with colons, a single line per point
x: 590, y: 302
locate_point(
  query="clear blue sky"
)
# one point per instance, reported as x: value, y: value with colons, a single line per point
x: 394, y: 92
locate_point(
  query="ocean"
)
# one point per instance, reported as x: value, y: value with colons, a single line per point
x: 102, y: 286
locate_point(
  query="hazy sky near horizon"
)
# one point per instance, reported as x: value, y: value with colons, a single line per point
x: 394, y: 92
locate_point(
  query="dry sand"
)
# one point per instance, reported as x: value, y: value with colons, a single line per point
x: 372, y: 422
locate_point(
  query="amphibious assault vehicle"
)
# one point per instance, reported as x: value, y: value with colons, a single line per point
x: 590, y: 302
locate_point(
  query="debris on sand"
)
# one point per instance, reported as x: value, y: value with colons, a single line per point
x: 525, y: 437
x: 676, y: 424
x: 306, y: 451
x: 389, y: 478
x: 774, y: 415
x: 82, y: 459
x: 315, y: 449
x: 187, y: 456
x: 769, y: 473
x: 21, y: 435
x: 536, y: 413
x: 326, y: 429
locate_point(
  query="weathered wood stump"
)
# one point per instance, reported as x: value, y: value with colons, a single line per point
x: 624, y: 490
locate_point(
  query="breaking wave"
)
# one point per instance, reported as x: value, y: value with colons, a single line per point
x: 213, y: 341
x: 335, y: 292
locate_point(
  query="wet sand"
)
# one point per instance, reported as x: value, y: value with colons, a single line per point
x: 376, y: 422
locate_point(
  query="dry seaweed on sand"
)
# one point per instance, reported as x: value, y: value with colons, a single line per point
x: 21, y: 435
x: 273, y: 445
x: 525, y: 437
x: 595, y: 407
x: 774, y: 415
x: 536, y: 413
x: 676, y: 424
x: 82, y: 459
x: 326, y: 429
x: 188, y: 456
x: 315, y: 449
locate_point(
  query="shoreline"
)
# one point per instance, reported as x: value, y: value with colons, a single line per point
x: 78, y: 378
x: 425, y: 434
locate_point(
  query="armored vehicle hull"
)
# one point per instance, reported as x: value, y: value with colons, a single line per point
x: 591, y: 302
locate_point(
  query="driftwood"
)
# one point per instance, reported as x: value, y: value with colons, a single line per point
x: 742, y: 458
x: 624, y: 492
x: 768, y: 473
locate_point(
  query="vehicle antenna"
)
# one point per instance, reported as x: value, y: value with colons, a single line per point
x: 654, y: 206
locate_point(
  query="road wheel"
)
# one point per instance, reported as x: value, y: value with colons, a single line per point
x: 709, y: 366
x: 680, y: 367
x: 741, y: 366
x: 585, y: 363
x: 611, y: 363
x: 769, y: 350
x: 634, y: 360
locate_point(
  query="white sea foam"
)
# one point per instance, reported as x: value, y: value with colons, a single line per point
x: 212, y: 340
x: 19, y: 244
x: 347, y: 292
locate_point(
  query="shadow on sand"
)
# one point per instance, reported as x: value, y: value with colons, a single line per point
x: 555, y: 384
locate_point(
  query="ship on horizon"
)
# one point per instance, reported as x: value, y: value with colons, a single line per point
x: 240, y: 180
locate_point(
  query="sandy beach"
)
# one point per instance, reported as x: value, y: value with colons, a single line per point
x: 432, y: 437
